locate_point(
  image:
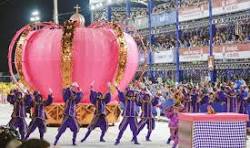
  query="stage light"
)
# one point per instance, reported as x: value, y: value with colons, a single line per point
x: 35, y: 16
x: 35, y: 13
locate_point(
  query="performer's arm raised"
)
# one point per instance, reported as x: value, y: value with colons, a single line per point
x: 79, y: 96
x: 28, y: 100
x: 50, y: 98
x: 108, y: 94
x: 93, y: 94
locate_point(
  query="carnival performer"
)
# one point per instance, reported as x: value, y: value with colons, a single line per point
x: 194, y: 100
x: 171, y: 112
x: 39, y: 116
x: 20, y: 103
x: 99, y: 101
x: 187, y: 98
x: 72, y: 96
x: 204, y: 100
x: 129, y: 114
x: 222, y: 97
x: 232, y: 99
x: 243, y: 96
x: 147, y: 103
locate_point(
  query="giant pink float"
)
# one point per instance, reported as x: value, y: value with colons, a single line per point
x: 100, y: 53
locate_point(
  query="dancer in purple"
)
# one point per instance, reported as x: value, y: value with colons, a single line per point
x: 129, y: 114
x: 72, y: 96
x: 147, y: 103
x: 232, y: 96
x: 171, y: 112
x: 19, y: 102
x: 194, y: 100
x: 243, y: 96
x: 99, y: 101
x: 38, y: 117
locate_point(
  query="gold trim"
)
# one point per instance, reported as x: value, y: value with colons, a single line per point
x: 122, y: 58
x: 66, y: 52
x: 19, y: 59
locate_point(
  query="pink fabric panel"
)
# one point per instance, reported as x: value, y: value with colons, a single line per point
x: 95, y: 58
x: 213, y: 117
x: 41, y: 62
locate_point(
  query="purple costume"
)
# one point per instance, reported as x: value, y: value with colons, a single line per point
x: 129, y: 115
x: 233, y: 106
x: 194, y: 101
x: 187, y: 100
x: 71, y: 99
x: 99, y: 120
x: 19, y: 113
x: 173, y: 125
x: 243, y: 101
x: 38, y: 116
x: 221, y: 97
x: 147, y: 104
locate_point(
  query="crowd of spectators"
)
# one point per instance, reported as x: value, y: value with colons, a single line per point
x: 226, y: 34
x: 166, y: 6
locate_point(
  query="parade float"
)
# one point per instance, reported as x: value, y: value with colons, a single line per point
x: 47, y: 55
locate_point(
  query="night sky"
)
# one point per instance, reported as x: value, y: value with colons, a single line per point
x: 16, y: 13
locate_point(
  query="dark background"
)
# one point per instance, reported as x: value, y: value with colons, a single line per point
x: 14, y: 14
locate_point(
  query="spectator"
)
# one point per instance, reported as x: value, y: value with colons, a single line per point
x: 9, y: 138
x: 35, y: 143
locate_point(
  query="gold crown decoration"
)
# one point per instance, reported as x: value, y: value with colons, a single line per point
x: 66, y: 52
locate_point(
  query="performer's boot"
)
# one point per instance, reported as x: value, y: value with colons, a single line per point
x: 119, y: 136
x: 74, y: 138
x: 148, y: 136
x: 56, y: 140
x: 86, y: 135
x: 169, y: 140
x: 41, y: 136
x: 117, y: 142
x: 136, y: 141
x: 102, y: 135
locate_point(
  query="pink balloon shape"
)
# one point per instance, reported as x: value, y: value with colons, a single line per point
x: 95, y: 58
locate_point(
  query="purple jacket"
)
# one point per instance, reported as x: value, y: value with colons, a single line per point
x: 19, y: 105
x: 173, y: 117
x: 147, y: 106
x: 130, y: 105
x: 71, y: 99
x: 39, y: 107
x: 100, y: 104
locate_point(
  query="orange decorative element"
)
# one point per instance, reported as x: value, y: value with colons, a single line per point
x: 85, y: 113
x: 66, y: 52
x: 210, y: 110
x: 122, y: 59
x: 18, y: 58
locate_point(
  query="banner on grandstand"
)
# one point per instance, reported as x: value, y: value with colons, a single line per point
x: 163, y: 57
x: 164, y: 18
x: 191, y: 13
x: 222, y: 52
x: 161, y: 19
x: 219, y: 7
x: 227, y: 51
